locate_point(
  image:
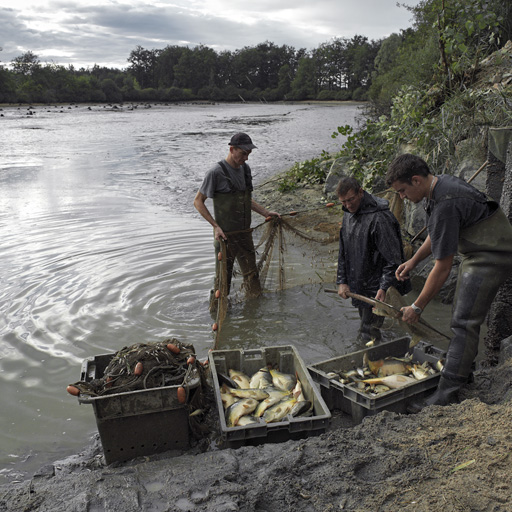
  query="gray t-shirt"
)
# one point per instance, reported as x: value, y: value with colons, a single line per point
x: 455, y: 205
x: 216, y: 182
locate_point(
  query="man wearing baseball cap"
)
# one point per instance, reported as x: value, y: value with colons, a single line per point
x: 229, y: 184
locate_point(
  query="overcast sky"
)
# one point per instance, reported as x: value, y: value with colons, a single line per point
x: 104, y: 32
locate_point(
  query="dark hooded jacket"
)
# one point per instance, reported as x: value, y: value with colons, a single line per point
x: 370, y: 249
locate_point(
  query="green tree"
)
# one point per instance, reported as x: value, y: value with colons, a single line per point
x: 166, y: 62
x: 195, y: 68
x: 111, y: 91
x: 360, y: 58
x: 143, y: 65
x: 25, y: 64
x: 304, y: 85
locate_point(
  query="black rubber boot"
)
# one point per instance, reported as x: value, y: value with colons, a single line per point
x: 447, y: 392
x: 370, y: 323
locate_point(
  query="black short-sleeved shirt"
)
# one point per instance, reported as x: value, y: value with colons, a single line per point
x: 215, y: 181
x: 455, y: 205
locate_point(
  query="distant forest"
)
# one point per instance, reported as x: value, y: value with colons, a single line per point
x: 339, y: 70
x: 439, y: 52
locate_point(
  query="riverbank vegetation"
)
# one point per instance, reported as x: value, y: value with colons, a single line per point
x: 438, y: 86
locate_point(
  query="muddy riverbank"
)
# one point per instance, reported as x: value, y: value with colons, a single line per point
x: 449, y: 459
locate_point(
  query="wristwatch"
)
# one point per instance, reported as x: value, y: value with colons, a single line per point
x: 416, y: 309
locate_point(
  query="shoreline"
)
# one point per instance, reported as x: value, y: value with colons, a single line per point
x: 198, y: 102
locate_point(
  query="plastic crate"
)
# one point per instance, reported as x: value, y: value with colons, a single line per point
x: 357, y: 404
x: 287, y: 360
x: 141, y: 422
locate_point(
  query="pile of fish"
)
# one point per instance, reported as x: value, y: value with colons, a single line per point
x: 376, y: 377
x: 268, y: 395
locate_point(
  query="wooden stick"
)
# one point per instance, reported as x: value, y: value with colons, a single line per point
x: 391, y: 310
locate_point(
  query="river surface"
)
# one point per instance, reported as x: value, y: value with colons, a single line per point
x: 102, y: 248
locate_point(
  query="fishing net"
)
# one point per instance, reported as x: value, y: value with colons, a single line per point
x: 145, y: 366
x: 297, y: 249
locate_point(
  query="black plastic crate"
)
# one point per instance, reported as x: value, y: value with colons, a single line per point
x: 141, y: 422
x: 287, y: 359
x: 357, y: 404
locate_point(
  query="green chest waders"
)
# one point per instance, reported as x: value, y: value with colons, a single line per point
x: 486, y: 250
x: 233, y: 214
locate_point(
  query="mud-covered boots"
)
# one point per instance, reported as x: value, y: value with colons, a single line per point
x: 447, y: 392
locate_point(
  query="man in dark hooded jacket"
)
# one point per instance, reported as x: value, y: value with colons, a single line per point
x: 370, y: 252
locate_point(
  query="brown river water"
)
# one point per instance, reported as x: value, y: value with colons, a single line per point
x: 101, y: 248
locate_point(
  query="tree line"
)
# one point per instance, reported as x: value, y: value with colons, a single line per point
x: 341, y: 69
x: 426, y: 65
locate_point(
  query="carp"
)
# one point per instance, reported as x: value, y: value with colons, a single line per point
x: 238, y: 409
x: 388, y: 366
x: 275, y: 396
x: 280, y: 410
x: 421, y: 330
x: 420, y: 371
x: 392, y: 381
x: 297, y: 392
x: 283, y: 381
x: 257, y: 394
x: 240, y: 379
x: 227, y: 397
x: 261, y: 379
x: 301, y: 407
x: 247, y: 420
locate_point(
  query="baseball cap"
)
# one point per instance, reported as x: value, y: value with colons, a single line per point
x: 242, y: 141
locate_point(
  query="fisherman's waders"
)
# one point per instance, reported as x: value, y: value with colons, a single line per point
x: 233, y: 214
x: 486, y: 250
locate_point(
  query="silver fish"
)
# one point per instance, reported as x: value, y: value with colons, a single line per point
x: 241, y: 408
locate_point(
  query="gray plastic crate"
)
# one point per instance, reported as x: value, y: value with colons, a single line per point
x: 287, y: 360
x: 357, y: 404
x: 137, y: 423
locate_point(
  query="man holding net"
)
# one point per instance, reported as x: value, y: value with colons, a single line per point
x: 370, y: 252
x: 229, y: 184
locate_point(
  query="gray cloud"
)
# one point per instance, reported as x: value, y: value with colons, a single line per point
x: 106, y: 34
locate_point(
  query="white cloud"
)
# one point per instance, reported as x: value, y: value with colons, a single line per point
x: 84, y: 33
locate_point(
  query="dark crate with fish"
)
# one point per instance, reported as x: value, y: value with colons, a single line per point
x: 265, y: 395
x: 142, y: 421
x: 383, y: 377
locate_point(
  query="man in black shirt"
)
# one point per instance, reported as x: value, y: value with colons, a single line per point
x: 459, y: 219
